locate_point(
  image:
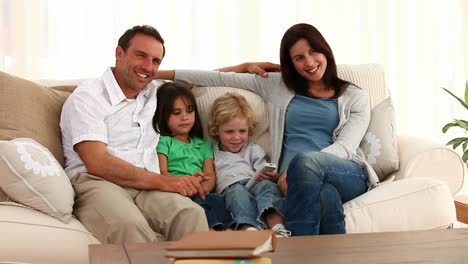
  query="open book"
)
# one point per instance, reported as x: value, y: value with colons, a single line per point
x: 224, y: 244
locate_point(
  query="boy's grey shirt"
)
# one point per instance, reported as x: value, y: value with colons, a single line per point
x: 233, y: 167
x: 347, y: 136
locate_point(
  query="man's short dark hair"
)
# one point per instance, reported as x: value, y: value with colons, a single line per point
x: 124, y: 40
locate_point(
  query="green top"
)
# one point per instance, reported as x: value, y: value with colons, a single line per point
x: 183, y: 158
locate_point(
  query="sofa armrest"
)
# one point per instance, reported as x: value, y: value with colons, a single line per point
x: 425, y: 158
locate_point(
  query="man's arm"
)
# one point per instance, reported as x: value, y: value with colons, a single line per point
x: 259, y: 68
x: 100, y: 163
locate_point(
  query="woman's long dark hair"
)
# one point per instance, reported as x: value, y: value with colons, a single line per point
x: 166, y: 95
x: 293, y: 80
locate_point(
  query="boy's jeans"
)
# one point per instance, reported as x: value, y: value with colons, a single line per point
x: 318, y: 185
x: 248, y: 207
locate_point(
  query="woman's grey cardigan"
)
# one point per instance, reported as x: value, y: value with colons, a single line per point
x: 353, y: 108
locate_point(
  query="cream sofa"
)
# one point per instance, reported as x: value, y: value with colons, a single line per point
x: 421, y: 197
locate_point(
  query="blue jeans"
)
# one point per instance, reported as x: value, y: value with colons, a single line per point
x: 215, y: 210
x: 318, y: 185
x: 248, y: 207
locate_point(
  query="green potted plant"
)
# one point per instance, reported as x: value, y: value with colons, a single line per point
x: 459, y: 141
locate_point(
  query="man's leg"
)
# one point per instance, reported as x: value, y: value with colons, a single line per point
x: 109, y: 212
x: 171, y: 214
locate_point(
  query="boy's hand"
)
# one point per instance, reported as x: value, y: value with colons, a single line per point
x: 268, y: 175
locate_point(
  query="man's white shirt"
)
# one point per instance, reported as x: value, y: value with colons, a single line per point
x: 99, y: 111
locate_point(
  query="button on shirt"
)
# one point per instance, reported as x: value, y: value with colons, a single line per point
x: 99, y: 111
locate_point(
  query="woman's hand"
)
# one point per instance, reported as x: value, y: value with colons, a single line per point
x: 282, y: 184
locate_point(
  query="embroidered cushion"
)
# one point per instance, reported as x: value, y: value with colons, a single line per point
x: 380, y: 141
x: 33, y: 177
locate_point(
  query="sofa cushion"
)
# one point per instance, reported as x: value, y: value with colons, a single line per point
x: 31, y: 111
x: 4, y: 197
x: 380, y: 141
x: 31, y: 176
x: 29, y: 236
x: 205, y: 97
x: 408, y: 204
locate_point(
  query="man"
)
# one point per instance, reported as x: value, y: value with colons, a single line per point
x: 110, y: 149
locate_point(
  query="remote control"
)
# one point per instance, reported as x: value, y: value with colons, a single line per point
x: 253, y: 180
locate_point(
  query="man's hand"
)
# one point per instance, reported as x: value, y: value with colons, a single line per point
x: 201, y: 176
x: 282, y: 184
x: 262, y: 68
x: 185, y: 185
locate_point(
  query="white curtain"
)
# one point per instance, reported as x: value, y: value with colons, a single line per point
x: 419, y: 42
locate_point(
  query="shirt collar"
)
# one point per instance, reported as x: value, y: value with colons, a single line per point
x: 115, y: 92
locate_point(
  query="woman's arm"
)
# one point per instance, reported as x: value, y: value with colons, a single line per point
x: 165, y: 75
x: 353, y: 131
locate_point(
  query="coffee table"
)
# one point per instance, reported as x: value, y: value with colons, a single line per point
x: 461, y: 205
x: 430, y: 246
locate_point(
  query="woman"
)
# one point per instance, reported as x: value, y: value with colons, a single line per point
x: 317, y: 122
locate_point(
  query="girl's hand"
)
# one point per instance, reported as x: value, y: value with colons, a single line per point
x: 282, y: 184
x: 185, y: 185
x: 268, y: 175
x: 200, y: 176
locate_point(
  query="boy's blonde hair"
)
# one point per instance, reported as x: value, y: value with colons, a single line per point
x: 227, y: 107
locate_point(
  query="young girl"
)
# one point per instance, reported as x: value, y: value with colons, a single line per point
x: 236, y: 161
x: 183, y: 152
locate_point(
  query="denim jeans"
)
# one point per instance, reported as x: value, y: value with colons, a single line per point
x: 318, y: 185
x: 215, y: 210
x: 248, y: 207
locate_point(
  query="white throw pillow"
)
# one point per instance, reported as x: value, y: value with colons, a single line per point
x: 30, y: 175
x: 380, y: 141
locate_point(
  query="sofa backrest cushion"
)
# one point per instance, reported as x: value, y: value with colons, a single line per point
x: 369, y: 77
x: 205, y: 97
x: 30, y: 110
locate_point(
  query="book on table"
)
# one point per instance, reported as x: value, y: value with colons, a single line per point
x: 223, y: 244
x: 258, y: 260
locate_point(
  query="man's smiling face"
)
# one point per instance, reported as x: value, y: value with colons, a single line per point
x: 137, y: 67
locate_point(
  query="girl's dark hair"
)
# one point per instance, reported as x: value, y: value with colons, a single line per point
x: 166, y: 95
x: 293, y: 80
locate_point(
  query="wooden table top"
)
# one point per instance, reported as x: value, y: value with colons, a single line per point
x: 461, y: 205
x: 430, y: 246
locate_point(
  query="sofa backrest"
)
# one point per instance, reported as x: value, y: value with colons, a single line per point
x: 369, y: 77
x: 32, y: 109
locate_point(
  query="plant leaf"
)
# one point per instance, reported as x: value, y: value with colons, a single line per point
x: 464, y: 146
x: 457, y: 141
x: 465, y: 156
x: 456, y: 97
x: 466, y: 92
x: 462, y: 123
x: 449, y: 125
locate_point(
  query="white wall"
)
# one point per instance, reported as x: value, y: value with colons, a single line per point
x: 465, y: 16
